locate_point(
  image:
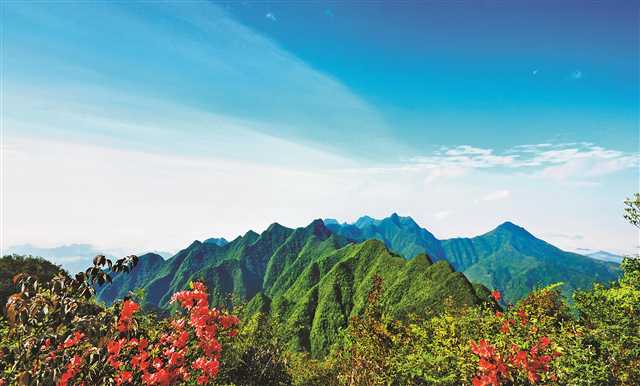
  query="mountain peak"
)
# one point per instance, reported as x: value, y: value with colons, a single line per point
x: 396, y: 219
x: 219, y: 241
x: 328, y: 221
x: 318, y: 228
x: 150, y: 259
x: 512, y: 230
x: 275, y: 227
x: 365, y: 221
x: 251, y: 234
x: 402, y: 222
x: 194, y: 244
x: 511, y: 227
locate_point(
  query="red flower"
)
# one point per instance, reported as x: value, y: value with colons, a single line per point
x: 505, y: 328
x: 73, y: 340
x: 523, y: 316
x: 483, y: 349
x: 72, y: 369
x: 228, y: 321
x: 496, y: 295
x: 124, y: 377
x: 171, y: 349
x: 544, y: 341
x: 198, y: 286
x: 484, y: 380
x: 182, y: 340
x: 520, y: 359
x: 129, y: 307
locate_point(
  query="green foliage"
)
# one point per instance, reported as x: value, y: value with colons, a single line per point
x: 48, y: 313
x: 632, y: 210
x: 436, y: 350
x: 257, y: 355
x: 611, y: 316
x: 11, y: 265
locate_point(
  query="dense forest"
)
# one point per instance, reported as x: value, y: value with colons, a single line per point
x: 354, y: 314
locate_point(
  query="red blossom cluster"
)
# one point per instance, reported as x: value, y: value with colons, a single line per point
x: 128, y: 309
x: 191, y: 348
x: 69, y: 342
x: 74, y: 364
x: 532, y: 362
x: 492, y: 368
x: 73, y: 367
x: 495, y: 368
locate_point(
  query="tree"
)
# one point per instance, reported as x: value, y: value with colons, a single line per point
x: 632, y: 210
x: 11, y: 265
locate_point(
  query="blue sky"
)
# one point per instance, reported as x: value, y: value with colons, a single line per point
x: 147, y: 125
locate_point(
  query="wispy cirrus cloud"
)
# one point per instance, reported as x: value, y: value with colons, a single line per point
x: 563, y: 161
x: 464, y: 156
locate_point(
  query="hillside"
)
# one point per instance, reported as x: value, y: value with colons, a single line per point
x: 508, y: 258
x: 310, y: 278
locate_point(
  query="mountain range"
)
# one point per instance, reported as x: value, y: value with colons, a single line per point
x: 315, y: 278
x: 508, y: 258
x: 312, y: 279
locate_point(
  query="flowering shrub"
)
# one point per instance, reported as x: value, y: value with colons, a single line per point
x: 58, y: 335
x: 519, y: 354
x: 190, y: 350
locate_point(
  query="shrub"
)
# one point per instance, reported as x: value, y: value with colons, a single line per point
x: 57, y: 334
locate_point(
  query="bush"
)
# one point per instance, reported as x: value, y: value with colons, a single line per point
x: 57, y: 334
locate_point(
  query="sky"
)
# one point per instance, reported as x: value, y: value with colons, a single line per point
x: 137, y: 126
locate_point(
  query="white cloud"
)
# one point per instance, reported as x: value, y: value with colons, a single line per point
x: 566, y: 161
x: 464, y: 156
x: 497, y: 195
x: 467, y: 150
x: 442, y: 215
x: 271, y: 16
x: 530, y: 148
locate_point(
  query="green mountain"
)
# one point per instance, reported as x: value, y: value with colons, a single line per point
x: 400, y: 234
x: 221, y: 241
x: 507, y: 258
x: 311, y: 279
